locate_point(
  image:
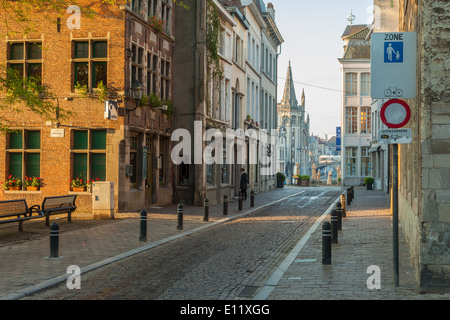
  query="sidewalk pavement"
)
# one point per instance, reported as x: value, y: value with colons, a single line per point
x: 26, y: 267
x: 365, y: 240
x: 364, y: 249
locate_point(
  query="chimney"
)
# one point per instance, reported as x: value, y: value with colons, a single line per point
x: 271, y: 10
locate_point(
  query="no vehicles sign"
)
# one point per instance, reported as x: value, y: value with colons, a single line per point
x: 393, y: 65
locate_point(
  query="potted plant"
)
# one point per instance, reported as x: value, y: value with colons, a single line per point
x: 281, y: 178
x: 156, y: 23
x: 305, y: 180
x: 33, y: 183
x: 368, y: 182
x: 12, y: 183
x: 78, y: 185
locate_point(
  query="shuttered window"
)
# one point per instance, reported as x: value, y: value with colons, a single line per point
x: 15, y: 164
x: 24, y: 154
x: 33, y: 140
x: 33, y: 167
x: 15, y: 140
x: 80, y: 139
x: 89, y: 155
x: 99, y: 139
x: 80, y: 166
x: 98, y: 166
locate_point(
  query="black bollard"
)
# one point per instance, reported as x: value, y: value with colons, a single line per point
x: 180, y: 217
x: 240, y: 202
x: 326, y: 243
x: 353, y: 192
x: 143, y: 236
x: 334, y: 227
x: 206, y: 217
x: 225, y: 205
x: 349, y: 196
x: 339, y: 215
x: 54, y: 240
x: 252, y: 199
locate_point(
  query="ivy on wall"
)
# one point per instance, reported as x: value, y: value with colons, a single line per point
x: 213, y: 30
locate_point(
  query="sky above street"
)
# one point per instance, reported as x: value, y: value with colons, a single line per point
x: 312, y: 31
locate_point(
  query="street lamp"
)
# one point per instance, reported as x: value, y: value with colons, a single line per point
x: 135, y: 93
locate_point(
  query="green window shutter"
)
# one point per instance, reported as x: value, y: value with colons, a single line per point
x: 15, y: 165
x: 80, y: 166
x: 16, y: 51
x: 33, y: 140
x: 80, y: 139
x: 33, y: 165
x: 99, y: 139
x: 35, y: 51
x: 100, y: 49
x: 15, y: 140
x: 82, y: 49
x: 98, y: 166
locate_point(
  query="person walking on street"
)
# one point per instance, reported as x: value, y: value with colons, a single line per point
x: 243, y: 184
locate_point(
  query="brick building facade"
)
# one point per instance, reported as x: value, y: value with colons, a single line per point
x: 118, y: 47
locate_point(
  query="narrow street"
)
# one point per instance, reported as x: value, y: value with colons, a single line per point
x: 228, y: 261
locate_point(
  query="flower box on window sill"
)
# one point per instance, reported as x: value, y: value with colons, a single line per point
x: 80, y: 189
x: 32, y: 188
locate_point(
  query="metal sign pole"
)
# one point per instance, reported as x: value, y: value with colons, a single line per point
x: 395, y: 213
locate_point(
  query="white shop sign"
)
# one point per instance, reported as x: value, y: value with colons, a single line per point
x: 57, y: 133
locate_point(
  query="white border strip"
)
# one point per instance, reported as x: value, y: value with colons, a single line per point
x: 276, y: 276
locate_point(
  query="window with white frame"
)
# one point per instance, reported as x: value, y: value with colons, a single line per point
x: 365, y: 120
x: 351, y: 120
x: 351, y: 157
x: 365, y: 84
x: 351, y: 84
x: 365, y: 162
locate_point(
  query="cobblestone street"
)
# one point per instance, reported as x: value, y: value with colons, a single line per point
x: 214, y: 264
x: 270, y: 252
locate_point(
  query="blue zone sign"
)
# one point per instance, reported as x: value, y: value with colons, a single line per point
x: 393, y: 52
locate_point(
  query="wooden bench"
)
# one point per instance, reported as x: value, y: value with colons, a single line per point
x: 58, y: 205
x: 19, y: 210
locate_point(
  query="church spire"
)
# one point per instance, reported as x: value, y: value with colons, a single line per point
x: 289, y: 97
x: 303, y: 98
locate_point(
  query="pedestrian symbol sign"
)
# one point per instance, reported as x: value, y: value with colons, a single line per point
x: 393, y: 52
x: 393, y: 61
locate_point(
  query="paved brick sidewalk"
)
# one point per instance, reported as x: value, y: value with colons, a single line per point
x: 365, y: 240
x: 25, y: 267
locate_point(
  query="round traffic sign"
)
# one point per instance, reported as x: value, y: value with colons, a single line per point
x: 395, y: 113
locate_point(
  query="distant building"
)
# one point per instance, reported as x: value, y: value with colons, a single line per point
x: 385, y: 20
x: 293, y: 131
x: 243, y: 86
x: 356, y: 105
